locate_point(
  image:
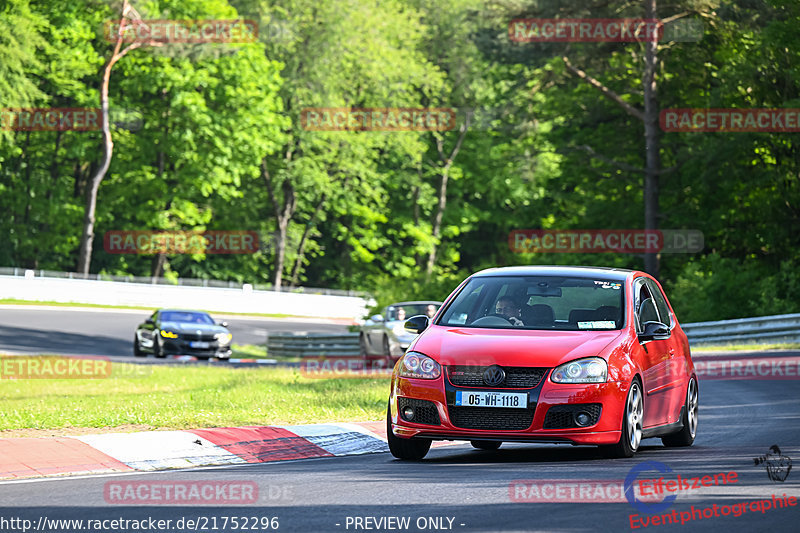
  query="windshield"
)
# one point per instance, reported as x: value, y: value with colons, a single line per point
x: 538, y: 302
x: 404, y: 311
x: 184, y: 316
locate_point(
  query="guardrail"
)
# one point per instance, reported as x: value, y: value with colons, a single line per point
x: 763, y: 329
x: 312, y: 345
x: 188, y: 282
x: 244, y: 299
x: 777, y: 328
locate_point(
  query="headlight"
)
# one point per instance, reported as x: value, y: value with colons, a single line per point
x: 168, y: 334
x: 399, y: 329
x: 417, y: 365
x: 223, y: 338
x: 589, y: 370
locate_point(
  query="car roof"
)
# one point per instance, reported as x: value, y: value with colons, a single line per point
x: 617, y: 274
x: 182, y: 311
x: 418, y: 302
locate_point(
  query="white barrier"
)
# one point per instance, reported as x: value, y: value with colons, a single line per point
x: 244, y: 300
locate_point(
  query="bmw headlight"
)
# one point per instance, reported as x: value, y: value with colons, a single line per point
x: 589, y: 370
x: 417, y: 365
x: 223, y: 338
x: 168, y: 334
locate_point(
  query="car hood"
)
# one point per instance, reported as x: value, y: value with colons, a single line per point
x: 482, y: 347
x: 186, y: 327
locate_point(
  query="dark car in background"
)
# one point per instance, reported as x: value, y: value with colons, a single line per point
x: 384, y: 335
x: 179, y: 332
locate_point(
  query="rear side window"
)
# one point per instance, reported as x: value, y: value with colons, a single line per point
x: 661, y: 303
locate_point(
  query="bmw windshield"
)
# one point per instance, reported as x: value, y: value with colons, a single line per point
x: 538, y: 302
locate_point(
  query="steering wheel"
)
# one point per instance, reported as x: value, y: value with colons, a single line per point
x: 491, y: 320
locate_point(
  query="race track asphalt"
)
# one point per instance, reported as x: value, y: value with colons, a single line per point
x: 457, y: 488
x: 108, y: 332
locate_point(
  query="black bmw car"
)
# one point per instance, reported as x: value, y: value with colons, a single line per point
x: 178, y: 332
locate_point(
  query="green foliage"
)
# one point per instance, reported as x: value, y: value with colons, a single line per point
x: 544, y: 149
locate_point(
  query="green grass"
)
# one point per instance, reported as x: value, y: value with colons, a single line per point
x: 13, y: 301
x: 747, y: 347
x: 189, y: 397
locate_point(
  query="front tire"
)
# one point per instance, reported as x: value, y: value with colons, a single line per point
x: 631, y: 425
x: 137, y: 350
x: 485, y: 444
x: 685, y: 437
x: 412, y: 449
x: 158, y: 351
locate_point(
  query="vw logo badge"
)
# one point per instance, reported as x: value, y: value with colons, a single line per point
x: 494, y: 375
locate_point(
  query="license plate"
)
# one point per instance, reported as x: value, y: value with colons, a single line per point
x: 199, y: 344
x: 492, y: 399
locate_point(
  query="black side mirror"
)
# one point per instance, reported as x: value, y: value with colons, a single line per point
x: 417, y: 324
x: 222, y: 323
x: 653, y: 331
x: 149, y: 320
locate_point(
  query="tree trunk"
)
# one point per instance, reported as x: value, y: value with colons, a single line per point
x: 301, y: 247
x: 652, y: 141
x: 85, y: 257
x: 283, y: 214
x: 85, y: 254
x: 447, y: 162
x: 649, y: 118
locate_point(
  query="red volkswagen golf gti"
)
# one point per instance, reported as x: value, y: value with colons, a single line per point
x: 546, y: 354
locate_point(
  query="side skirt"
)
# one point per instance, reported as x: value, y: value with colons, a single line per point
x: 660, y: 431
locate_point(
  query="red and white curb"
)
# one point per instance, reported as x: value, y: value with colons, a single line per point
x: 162, y: 450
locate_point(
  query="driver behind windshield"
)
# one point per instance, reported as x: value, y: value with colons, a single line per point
x: 509, y: 309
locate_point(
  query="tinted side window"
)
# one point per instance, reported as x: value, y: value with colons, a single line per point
x: 643, y: 304
x: 661, y: 303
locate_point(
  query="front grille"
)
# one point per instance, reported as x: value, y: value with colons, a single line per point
x: 517, y: 377
x: 490, y: 417
x: 207, y: 337
x: 563, y: 416
x: 425, y: 412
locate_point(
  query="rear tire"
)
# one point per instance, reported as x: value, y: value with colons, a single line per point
x: 632, y: 417
x: 685, y: 437
x: 485, y: 444
x: 412, y: 449
x: 137, y: 350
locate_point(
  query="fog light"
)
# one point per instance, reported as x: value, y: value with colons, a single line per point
x: 408, y: 413
x: 583, y: 419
